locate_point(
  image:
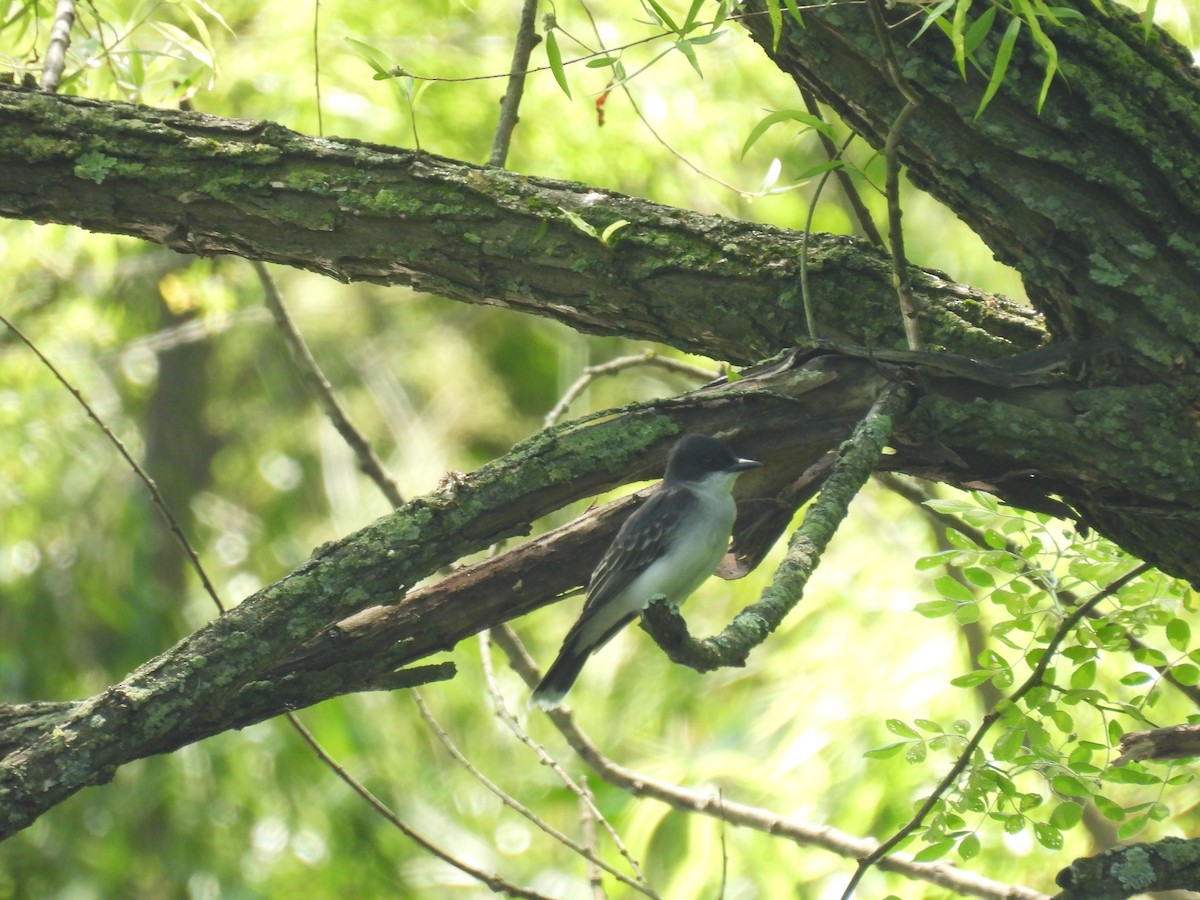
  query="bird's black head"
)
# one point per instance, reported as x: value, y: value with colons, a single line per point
x: 697, y: 456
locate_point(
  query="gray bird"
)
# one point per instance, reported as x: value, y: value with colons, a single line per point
x: 668, y: 547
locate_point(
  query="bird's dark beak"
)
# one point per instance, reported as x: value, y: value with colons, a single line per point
x: 743, y: 464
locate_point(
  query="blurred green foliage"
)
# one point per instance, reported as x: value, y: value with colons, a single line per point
x: 182, y: 362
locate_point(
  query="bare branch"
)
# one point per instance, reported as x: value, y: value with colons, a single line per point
x: 527, y: 39
x: 311, y: 374
x: 716, y: 806
x: 1172, y: 742
x: 60, y: 40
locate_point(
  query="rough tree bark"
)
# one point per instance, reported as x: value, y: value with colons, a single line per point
x: 1094, y: 201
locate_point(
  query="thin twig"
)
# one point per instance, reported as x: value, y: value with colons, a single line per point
x: 504, y: 714
x: 865, y: 222
x: 587, y: 824
x: 141, y: 473
x: 527, y: 39
x: 494, y: 882
x: 810, y: 316
x: 512, y: 803
x: 706, y: 803
x: 659, y: 139
x: 1035, y: 678
x: 60, y: 41
x: 901, y: 277
x: 620, y: 364
x: 317, y: 65
x: 900, y: 274
x: 312, y: 375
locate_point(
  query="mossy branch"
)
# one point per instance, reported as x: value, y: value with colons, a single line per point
x: 1167, y: 865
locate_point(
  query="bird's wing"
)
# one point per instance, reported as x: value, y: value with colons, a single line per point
x: 643, y: 538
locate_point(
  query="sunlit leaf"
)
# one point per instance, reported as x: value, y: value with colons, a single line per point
x: 969, y: 847
x: 1066, y: 816
x: 1179, y: 633
x: 776, y: 18
x: 785, y: 115
x: 1000, y: 67
x: 684, y: 46
x: 661, y: 14
x: 554, y: 57
x: 1048, y: 836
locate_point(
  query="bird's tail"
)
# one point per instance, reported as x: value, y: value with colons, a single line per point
x: 552, y: 689
x: 580, y: 643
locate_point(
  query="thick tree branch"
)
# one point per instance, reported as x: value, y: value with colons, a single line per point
x: 364, y: 212
x: 344, y: 622
x: 1094, y: 198
x: 1166, y: 865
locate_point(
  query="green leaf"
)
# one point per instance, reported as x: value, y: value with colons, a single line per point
x: 979, y: 30
x: 928, y: 725
x: 819, y: 169
x: 1133, y: 826
x: 554, y: 57
x: 1148, y: 656
x: 968, y: 847
x: 1130, y: 775
x: 979, y: 577
x: 662, y: 15
x: 885, y: 752
x: 1009, y: 744
x: 1070, y: 786
x: 776, y: 18
x: 795, y: 12
x: 897, y: 727
x: 607, y: 233
x: 1186, y: 673
x: 1179, y: 633
x: 693, y: 11
x: 932, y: 16
x: 915, y: 753
x: 1135, y: 678
x: 971, y: 679
x: 958, y: 35
x: 953, y: 589
x: 1000, y: 67
x: 785, y: 115
x: 1043, y: 41
x: 1066, y: 816
x: 1063, y: 721
x: 601, y: 62
x: 1048, y: 836
x: 935, y: 851
x: 185, y: 41
x: 684, y: 46
x: 371, y: 57
x: 1110, y: 810
x: 935, y: 609
x: 1084, y: 676
x: 580, y: 223
x: 721, y: 16
x: 967, y: 613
